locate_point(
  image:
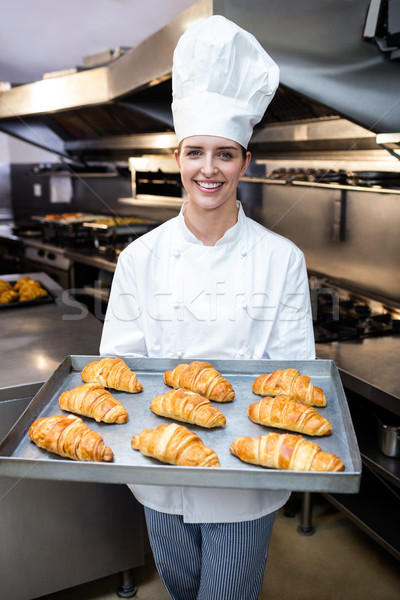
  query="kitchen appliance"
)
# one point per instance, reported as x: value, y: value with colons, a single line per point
x: 156, y: 180
x: 52, y: 260
x: 344, y: 312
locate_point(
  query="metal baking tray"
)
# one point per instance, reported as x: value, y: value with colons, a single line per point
x: 34, y: 302
x: 120, y: 226
x: 19, y: 457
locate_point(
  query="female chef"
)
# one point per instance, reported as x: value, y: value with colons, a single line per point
x: 212, y: 284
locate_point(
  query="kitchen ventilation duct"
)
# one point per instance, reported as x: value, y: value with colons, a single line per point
x: 328, y: 69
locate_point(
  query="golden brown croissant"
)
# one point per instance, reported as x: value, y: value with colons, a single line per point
x: 176, y: 445
x: 285, y: 413
x: 69, y: 437
x: 31, y: 291
x: 112, y: 373
x: 285, y: 451
x: 7, y: 296
x: 202, y: 378
x: 187, y: 406
x: 92, y: 400
x: 290, y: 383
x: 5, y: 285
x: 22, y: 280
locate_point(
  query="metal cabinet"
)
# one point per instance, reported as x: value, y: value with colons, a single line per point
x: 55, y: 535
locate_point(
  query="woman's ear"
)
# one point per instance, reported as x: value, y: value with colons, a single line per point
x: 246, y: 163
x: 176, y: 154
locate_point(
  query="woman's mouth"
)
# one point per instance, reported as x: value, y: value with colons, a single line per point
x: 209, y: 186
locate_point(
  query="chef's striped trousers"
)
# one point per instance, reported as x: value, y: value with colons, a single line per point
x: 209, y: 561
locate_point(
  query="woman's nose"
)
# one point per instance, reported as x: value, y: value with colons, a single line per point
x: 208, y: 167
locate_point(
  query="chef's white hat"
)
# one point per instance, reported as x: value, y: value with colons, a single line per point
x: 222, y: 81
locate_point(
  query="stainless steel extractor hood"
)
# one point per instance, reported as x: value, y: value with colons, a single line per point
x: 329, y: 72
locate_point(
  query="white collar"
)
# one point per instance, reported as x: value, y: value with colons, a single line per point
x: 230, y: 236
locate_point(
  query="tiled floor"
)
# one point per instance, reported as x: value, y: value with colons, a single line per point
x: 338, y: 562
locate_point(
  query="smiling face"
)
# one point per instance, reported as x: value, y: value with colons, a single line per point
x: 210, y: 169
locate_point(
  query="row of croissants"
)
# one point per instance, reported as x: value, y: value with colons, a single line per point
x: 288, y: 403
x: 23, y: 290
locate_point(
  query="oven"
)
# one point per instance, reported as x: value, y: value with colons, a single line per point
x: 51, y: 259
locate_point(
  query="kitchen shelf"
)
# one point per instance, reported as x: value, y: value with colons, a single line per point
x: 150, y: 200
x: 350, y: 188
x: 72, y: 175
x: 376, y: 506
x: 250, y: 179
x: 366, y: 428
x: 100, y: 294
x: 331, y: 186
x: 374, y: 509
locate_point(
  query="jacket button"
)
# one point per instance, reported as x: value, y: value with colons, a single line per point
x: 243, y: 253
x: 179, y: 354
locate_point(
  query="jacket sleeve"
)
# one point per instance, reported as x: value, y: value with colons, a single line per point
x: 123, y: 331
x: 295, y: 339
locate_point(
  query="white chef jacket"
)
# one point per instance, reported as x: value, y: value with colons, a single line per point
x: 246, y: 297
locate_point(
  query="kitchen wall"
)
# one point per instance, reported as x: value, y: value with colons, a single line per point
x: 367, y: 251
x: 5, y: 183
x: 13, y: 152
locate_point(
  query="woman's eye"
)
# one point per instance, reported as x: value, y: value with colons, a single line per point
x: 226, y: 155
x: 193, y: 153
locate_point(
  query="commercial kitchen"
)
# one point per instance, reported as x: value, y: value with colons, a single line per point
x: 325, y: 173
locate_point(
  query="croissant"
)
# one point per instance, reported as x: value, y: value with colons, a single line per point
x: 176, y: 445
x: 7, y: 296
x: 290, y: 383
x: 69, y: 437
x: 4, y: 286
x: 285, y: 413
x: 202, y: 378
x: 285, y: 451
x: 187, y: 406
x: 22, y: 280
x: 112, y: 373
x: 31, y: 291
x: 92, y: 400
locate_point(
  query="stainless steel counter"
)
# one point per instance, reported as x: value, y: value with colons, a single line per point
x: 91, y: 258
x: 368, y: 367
x: 35, y: 339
